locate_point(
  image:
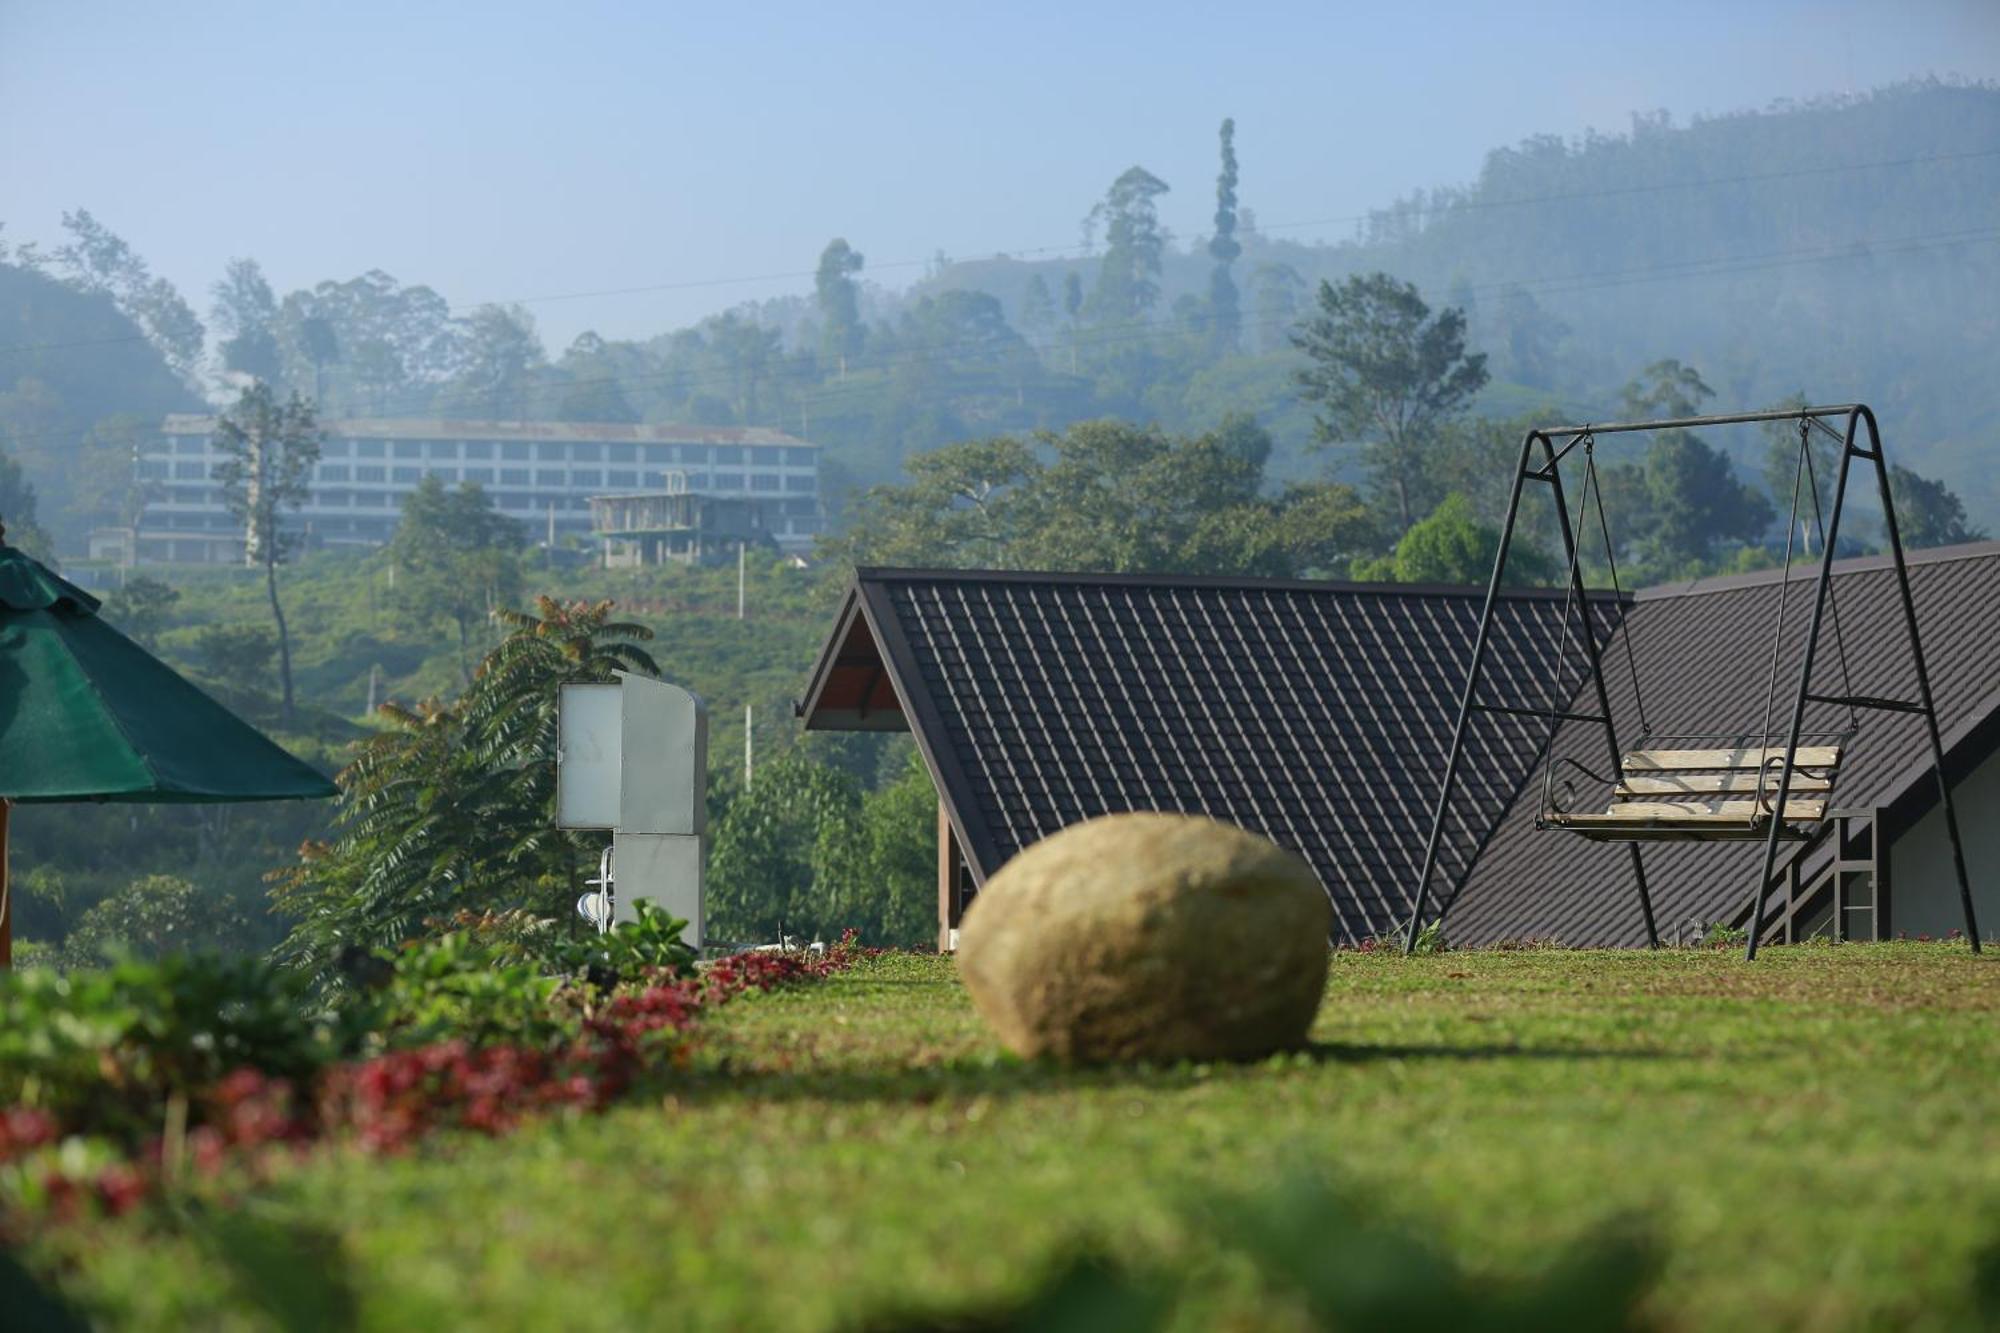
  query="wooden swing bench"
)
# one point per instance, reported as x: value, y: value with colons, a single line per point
x: 1709, y: 795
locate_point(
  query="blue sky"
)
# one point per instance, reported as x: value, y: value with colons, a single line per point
x: 510, y: 151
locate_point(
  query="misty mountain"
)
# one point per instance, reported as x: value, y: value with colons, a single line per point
x: 1841, y: 249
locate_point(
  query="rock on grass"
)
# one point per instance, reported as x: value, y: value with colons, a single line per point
x: 1148, y: 937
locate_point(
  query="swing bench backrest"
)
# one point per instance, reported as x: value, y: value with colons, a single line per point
x: 1710, y: 794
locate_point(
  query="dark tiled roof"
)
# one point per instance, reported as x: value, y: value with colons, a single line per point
x: 1318, y: 714
x: 1704, y: 654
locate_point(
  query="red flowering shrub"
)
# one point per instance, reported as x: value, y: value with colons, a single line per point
x: 582, y: 1049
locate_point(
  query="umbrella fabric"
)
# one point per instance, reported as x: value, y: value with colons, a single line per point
x: 88, y: 715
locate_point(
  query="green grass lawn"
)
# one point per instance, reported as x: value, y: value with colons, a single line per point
x: 1815, y: 1138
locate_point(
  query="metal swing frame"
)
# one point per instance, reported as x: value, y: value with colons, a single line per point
x: 1843, y: 423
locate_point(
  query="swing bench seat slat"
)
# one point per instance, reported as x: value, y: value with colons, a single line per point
x: 1751, y: 757
x: 1689, y: 784
x: 1708, y: 795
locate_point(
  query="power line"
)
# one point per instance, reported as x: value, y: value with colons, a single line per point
x: 1453, y: 206
x: 435, y: 402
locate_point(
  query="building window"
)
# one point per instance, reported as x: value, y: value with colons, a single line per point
x: 796, y: 482
x: 513, y: 450
x: 550, y: 479
x: 368, y: 449
x: 406, y: 476
x: 513, y: 476
x: 766, y: 455
x: 190, y: 444
x: 621, y: 453
x: 627, y: 479
x: 372, y: 499
x: 659, y: 453
x: 728, y: 481
x: 764, y: 481
x: 549, y: 453
x: 154, y: 469
x: 333, y: 472
x: 588, y: 476
x: 445, y: 474
x: 586, y: 453
x: 482, y: 476
x: 441, y: 449
x: 697, y: 481
x: 728, y: 453
x: 478, y: 449
x: 367, y: 473
x: 191, y: 471
x: 408, y: 449
x: 694, y: 453
x: 335, y: 449
x: 801, y: 457
x: 805, y: 507
x: 511, y: 500
x: 333, y: 499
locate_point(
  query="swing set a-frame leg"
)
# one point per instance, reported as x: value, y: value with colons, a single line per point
x: 1549, y: 473
x: 1928, y: 706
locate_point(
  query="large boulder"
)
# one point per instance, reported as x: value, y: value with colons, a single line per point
x: 1148, y: 937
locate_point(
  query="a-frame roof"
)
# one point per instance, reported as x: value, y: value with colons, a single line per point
x: 1703, y: 654
x: 1315, y: 713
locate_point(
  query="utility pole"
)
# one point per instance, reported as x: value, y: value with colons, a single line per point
x: 742, y: 549
x: 749, y: 753
x: 374, y: 688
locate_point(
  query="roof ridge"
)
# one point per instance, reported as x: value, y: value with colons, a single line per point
x: 1246, y: 582
x: 1854, y: 564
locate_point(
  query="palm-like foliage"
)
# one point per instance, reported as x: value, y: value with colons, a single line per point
x: 451, y: 807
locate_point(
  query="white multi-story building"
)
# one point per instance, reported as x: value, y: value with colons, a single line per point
x: 541, y: 472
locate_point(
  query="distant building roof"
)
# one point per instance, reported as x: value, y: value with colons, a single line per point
x: 1315, y: 713
x: 428, y: 428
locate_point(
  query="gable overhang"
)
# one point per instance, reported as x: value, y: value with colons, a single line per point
x: 866, y: 679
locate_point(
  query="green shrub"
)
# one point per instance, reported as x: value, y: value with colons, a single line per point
x: 102, y: 1050
x: 151, y: 917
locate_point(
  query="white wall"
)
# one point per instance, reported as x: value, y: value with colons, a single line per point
x: 1923, y: 887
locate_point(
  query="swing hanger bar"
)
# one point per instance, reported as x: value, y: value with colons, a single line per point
x: 1689, y: 423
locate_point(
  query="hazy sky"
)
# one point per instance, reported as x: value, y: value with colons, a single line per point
x: 508, y: 151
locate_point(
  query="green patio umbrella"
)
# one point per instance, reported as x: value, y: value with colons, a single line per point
x: 88, y: 715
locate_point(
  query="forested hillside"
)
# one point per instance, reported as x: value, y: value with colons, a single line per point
x: 1840, y: 249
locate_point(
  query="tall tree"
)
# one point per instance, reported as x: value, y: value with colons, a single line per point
x: 1683, y: 498
x: 764, y: 882
x: 593, y: 392
x: 1927, y: 513
x: 1107, y: 495
x: 451, y: 806
x: 245, y: 313
x: 97, y: 259
x: 839, y: 303
x: 319, y: 343
x: 1276, y: 289
x: 458, y: 559
x: 1386, y: 373
x: 1225, y: 314
x: 1128, y: 284
x: 268, y: 450
x: 501, y: 355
